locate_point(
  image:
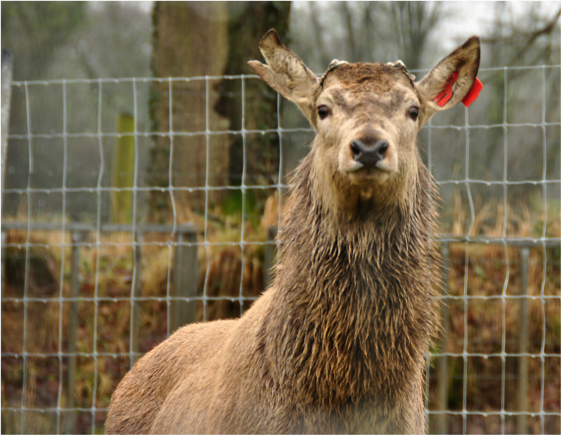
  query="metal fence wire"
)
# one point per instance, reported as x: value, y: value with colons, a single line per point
x: 83, y: 296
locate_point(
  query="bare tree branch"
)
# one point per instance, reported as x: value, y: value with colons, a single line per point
x: 413, y: 23
x: 350, y: 33
x: 547, y: 29
x: 318, y: 32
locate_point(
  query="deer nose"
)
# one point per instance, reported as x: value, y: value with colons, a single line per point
x: 369, y: 155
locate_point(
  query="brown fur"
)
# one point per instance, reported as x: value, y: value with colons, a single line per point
x: 338, y: 343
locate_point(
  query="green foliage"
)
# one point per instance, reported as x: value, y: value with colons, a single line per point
x: 480, y: 272
x: 236, y: 202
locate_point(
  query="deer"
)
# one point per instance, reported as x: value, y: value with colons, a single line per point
x: 338, y: 342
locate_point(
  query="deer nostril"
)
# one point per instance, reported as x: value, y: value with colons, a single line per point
x: 356, y: 148
x: 369, y: 155
x: 381, y: 147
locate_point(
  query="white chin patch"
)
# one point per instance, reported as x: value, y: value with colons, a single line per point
x: 353, y: 167
x: 387, y: 165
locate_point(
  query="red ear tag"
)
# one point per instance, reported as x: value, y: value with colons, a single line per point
x: 442, y: 98
x: 473, y: 93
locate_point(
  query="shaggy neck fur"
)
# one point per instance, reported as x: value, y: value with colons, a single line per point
x: 354, y: 283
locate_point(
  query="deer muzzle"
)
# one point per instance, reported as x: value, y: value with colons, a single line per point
x: 369, y: 155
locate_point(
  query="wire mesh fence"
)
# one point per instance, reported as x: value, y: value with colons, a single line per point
x: 85, y: 292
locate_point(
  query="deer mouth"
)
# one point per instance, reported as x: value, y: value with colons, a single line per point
x: 368, y: 176
x: 360, y: 174
x: 382, y: 166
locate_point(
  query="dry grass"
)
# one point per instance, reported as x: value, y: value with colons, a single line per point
x: 107, y: 271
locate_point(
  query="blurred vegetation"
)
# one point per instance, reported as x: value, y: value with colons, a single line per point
x: 35, y: 31
x: 98, y: 40
x: 513, y: 35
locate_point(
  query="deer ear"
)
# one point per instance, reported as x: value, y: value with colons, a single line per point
x: 451, y: 80
x: 286, y: 73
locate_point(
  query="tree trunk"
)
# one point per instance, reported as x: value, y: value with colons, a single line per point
x: 190, y: 40
x: 260, y: 105
x: 210, y: 39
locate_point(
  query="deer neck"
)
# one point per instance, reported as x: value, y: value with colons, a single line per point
x: 355, y: 305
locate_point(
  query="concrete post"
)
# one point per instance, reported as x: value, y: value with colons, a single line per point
x: 442, y: 362
x: 521, y: 423
x: 70, y: 423
x: 185, y: 273
x: 136, y: 292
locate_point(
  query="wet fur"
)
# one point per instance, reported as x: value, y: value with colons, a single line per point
x: 335, y: 346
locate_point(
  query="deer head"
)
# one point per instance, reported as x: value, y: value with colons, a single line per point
x: 367, y: 115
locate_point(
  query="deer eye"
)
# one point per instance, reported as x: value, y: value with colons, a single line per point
x: 413, y: 112
x: 323, y: 111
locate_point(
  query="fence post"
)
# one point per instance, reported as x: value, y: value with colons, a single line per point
x: 6, y: 63
x: 270, y: 248
x: 521, y: 422
x: 185, y: 279
x: 77, y: 238
x: 135, y: 309
x: 2, y: 281
x: 122, y: 175
x: 442, y: 362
